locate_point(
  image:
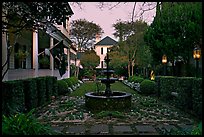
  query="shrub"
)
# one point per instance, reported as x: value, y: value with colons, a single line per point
x: 62, y: 87
x: 41, y: 88
x: 68, y: 81
x: 147, y: 87
x: 30, y: 90
x: 24, y: 124
x: 137, y: 79
x: 130, y: 79
x: 12, y: 97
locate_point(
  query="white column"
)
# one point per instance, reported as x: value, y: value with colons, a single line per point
x: 51, y: 57
x: 68, y: 65
x: 4, y: 56
x: 35, y: 52
x: 4, y: 49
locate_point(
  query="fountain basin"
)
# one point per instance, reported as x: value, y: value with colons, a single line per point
x: 110, y: 80
x: 117, y: 101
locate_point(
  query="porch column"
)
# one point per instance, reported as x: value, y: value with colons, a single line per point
x: 4, y: 50
x: 4, y: 57
x: 35, y: 52
x: 68, y: 61
x: 51, y: 57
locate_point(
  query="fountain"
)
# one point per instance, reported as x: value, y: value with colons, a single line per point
x: 109, y: 100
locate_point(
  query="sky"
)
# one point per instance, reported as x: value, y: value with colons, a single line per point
x: 105, y: 17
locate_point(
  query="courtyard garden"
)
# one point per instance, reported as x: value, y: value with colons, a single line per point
x: 68, y: 109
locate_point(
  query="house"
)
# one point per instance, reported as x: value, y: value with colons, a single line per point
x: 34, y: 44
x: 101, y: 49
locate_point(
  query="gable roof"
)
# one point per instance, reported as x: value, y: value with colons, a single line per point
x: 107, y: 41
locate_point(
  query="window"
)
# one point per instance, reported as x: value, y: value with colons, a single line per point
x: 101, y: 51
x: 101, y: 64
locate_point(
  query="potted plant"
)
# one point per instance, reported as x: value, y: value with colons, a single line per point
x: 21, y: 56
x: 44, y: 62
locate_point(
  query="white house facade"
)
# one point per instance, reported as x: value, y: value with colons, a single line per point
x: 30, y: 64
x: 101, y: 48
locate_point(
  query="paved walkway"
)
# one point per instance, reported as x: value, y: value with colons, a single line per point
x: 118, y: 129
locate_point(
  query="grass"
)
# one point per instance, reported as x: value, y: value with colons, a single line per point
x: 92, y: 87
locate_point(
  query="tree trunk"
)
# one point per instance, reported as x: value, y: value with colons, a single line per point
x: 129, y: 69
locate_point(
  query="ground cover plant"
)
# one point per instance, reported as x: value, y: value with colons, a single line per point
x: 71, y: 109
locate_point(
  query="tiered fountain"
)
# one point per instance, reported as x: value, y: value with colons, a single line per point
x: 108, y: 100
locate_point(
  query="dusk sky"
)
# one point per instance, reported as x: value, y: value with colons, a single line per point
x: 105, y: 18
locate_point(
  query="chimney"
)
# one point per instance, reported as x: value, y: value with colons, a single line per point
x: 98, y: 38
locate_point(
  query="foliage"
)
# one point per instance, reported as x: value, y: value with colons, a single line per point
x: 115, y: 114
x: 197, y: 130
x: 29, y: 15
x: 147, y: 87
x: 175, y: 31
x: 118, y: 61
x: 89, y: 60
x: 21, y: 55
x: 135, y: 79
x: 44, y: 60
x: 84, y: 32
x: 132, y: 44
x: 189, y: 91
x: 24, y: 124
x: 62, y: 87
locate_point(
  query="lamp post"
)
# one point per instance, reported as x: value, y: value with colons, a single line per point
x: 164, y: 61
x: 196, y: 56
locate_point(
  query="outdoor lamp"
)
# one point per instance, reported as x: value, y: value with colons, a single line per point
x: 196, y: 56
x: 196, y: 53
x: 164, y: 59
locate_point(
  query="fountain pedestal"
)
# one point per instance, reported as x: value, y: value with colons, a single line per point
x: 109, y: 100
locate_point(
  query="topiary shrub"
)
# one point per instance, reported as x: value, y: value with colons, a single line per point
x: 137, y: 79
x: 62, y: 87
x: 147, y: 87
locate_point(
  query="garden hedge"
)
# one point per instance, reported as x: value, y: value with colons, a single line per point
x: 24, y: 95
x: 12, y: 97
x: 30, y: 90
x: 62, y: 87
x: 147, y: 87
x: 189, y: 91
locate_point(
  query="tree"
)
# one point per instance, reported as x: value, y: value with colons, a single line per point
x: 84, y: 32
x: 18, y: 16
x: 118, y: 62
x: 89, y: 60
x: 175, y: 31
x: 134, y: 43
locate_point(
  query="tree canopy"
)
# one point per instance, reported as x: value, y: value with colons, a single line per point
x: 175, y: 31
x: 84, y: 32
x: 132, y: 43
x: 32, y: 15
x: 89, y: 59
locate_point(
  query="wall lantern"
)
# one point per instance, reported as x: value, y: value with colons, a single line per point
x: 164, y: 59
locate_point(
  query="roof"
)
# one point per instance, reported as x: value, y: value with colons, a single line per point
x: 107, y: 41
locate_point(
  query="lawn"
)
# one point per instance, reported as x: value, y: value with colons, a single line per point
x: 92, y: 87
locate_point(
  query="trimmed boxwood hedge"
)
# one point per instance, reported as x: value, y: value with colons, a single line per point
x: 12, y: 97
x: 24, y: 95
x: 147, y: 87
x: 62, y: 87
x: 41, y: 88
x: 30, y: 90
x: 189, y: 91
